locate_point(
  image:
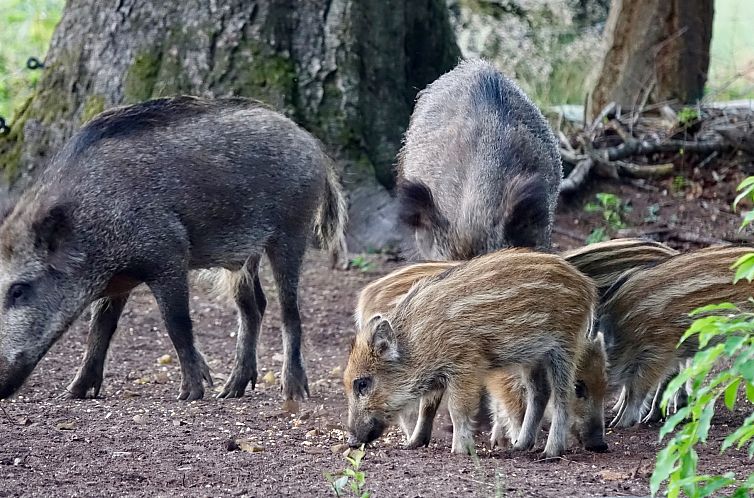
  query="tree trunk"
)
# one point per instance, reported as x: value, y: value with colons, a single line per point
x: 661, y: 45
x: 347, y: 70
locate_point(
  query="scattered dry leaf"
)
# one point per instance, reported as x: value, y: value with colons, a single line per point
x: 165, y: 359
x: 336, y: 373
x: 612, y: 475
x: 339, y: 448
x: 290, y: 406
x: 65, y: 426
x: 249, y: 446
x: 161, y: 378
x: 269, y: 378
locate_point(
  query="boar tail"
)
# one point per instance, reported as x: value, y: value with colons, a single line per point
x: 525, y: 210
x: 331, y: 219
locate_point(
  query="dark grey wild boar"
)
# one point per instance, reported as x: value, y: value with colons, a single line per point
x: 145, y: 193
x: 479, y: 169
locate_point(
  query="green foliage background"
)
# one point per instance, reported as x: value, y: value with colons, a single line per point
x: 26, y: 27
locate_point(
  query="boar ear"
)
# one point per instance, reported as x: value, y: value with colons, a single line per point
x: 417, y: 206
x: 384, y: 342
x: 52, y: 233
x: 524, y: 210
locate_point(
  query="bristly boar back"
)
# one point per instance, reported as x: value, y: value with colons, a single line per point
x: 479, y: 169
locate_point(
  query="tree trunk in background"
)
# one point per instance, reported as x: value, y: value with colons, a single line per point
x: 659, y: 44
x: 347, y: 70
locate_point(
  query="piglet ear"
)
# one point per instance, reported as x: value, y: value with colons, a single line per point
x: 384, y: 343
x: 53, y: 227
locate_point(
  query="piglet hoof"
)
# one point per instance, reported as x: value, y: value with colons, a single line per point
x: 499, y: 441
x: 236, y: 385
x: 549, y: 458
x: 416, y: 443
x: 523, y: 445
x: 295, y: 385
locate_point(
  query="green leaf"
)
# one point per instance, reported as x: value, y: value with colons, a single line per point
x: 705, y: 421
x: 666, y: 463
x: 747, y: 219
x: 744, y: 268
x: 672, y: 421
x: 715, y: 483
x: 713, y: 307
x: 731, y: 393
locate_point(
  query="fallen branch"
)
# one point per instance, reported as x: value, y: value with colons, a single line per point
x: 577, y: 176
x: 646, y: 148
x: 568, y: 233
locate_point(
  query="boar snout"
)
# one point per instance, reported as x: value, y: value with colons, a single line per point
x: 593, y: 437
x: 365, y: 431
x: 12, y: 375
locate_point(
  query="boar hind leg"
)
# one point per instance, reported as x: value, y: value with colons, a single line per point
x: 427, y: 411
x: 251, y: 305
x: 172, y: 296
x: 285, y: 259
x: 104, y: 321
x: 537, y: 396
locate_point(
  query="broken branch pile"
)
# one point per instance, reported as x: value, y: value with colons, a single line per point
x: 649, y: 142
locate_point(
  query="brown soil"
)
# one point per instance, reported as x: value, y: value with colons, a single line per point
x: 137, y: 440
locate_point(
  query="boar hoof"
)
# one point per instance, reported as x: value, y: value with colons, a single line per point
x: 80, y: 387
x: 295, y: 387
x: 192, y: 386
x: 236, y: 385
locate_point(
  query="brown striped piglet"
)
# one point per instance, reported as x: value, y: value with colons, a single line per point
x: 454, y: 331
x: 645, y: 314
x: 587, y: 404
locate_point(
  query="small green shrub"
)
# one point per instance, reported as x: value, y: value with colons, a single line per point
x: 724, y: 331
x: 350, y: 481
x: 613, y: 209
x: 361, y: 263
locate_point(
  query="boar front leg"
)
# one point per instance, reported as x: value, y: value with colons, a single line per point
x: 285, y: 259
x: 172, y: 296
x: 104, y: 321
x: 427, y: 411
x: 251, y: 305
x: 463, y: 404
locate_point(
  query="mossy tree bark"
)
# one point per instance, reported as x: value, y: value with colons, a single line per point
x: 658, y: 44
x: 347, y: 70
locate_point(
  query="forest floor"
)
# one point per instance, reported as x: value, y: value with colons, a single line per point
x: 137, y: 440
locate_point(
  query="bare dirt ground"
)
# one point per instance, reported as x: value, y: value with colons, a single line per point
x: 137, y: 440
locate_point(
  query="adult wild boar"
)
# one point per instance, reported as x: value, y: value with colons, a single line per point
x: 479, y: 169
x: 145, y: 193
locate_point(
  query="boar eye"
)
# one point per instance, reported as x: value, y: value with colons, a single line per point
x: 580, y: 389
x: 17, y: 294
x: 362, y: 385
